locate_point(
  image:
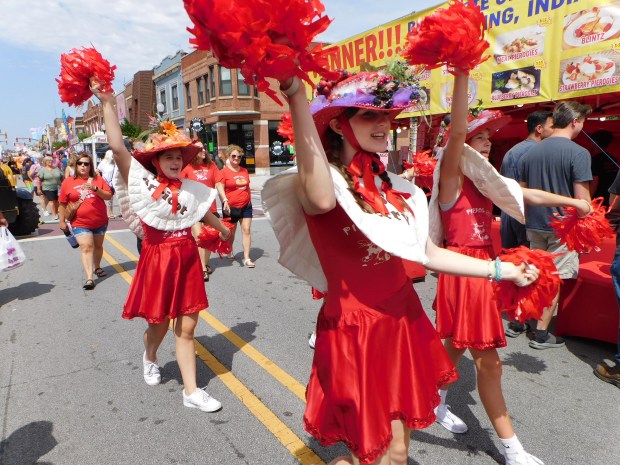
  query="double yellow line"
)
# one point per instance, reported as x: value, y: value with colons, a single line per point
x: 283, y: 433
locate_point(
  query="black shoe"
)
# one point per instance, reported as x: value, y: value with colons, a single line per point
x: 546, y: 340
x: 516, y: 328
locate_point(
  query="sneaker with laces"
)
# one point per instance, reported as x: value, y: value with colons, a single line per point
x: 152, y: 376
x: 610, y: 374
x: 201, y: 400
x: 521, y: 458
x: 449, y: 420
x: 546, y: 340
x: 312, y: 340
x: 516, y: 328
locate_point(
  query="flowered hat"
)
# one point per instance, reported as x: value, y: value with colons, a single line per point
x: 371, y: 90
x: 493, y: 120
x: 164, y: 136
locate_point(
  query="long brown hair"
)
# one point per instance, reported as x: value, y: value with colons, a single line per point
x: 333, y: 150
x: 91, y: 169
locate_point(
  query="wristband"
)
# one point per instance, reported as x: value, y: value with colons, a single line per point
x: 293, y: 89
x: 498, y: 270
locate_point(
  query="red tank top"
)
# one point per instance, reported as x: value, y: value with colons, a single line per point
x: 468, y: 222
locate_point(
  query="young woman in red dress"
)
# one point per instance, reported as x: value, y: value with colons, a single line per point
x: 467, y: 314
x: 205, y: 171
x: 344, y: 224
x: 161, y: 208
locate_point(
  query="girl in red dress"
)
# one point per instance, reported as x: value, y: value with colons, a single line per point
x: 467, y: 315
x: 344, y: 224
x: 161, y: 209
x: 205, y: 171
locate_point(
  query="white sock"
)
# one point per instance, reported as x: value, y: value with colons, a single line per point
x: 512, y: 445
x: 443, y: 393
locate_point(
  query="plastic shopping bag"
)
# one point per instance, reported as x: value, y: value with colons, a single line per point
x: 11, y: 253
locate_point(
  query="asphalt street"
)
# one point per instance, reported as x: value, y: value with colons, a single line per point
x: 72, y: 392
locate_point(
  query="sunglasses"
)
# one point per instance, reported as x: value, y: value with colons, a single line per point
x: 235, y: 156
x: 83, y: 163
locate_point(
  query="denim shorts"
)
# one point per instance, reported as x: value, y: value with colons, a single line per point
x: 95, y: 232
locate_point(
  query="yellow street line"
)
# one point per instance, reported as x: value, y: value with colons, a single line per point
x: 292, y: 442
x: 274, y: 370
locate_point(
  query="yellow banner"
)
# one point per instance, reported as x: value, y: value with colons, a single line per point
x: 540, y: 50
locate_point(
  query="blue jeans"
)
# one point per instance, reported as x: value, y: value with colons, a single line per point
x: 615, y: 277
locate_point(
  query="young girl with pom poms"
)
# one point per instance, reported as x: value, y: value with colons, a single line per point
x: 158, y: 206
x: 345, y: 225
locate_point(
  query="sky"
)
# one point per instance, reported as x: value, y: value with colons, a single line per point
x: 33, y: 36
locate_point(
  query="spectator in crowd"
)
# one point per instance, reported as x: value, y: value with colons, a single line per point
x: 557, y: 165
x: 203, y: 170
x: 70, y: 168
x: 33, y: 173
x: 107, y: 170
x: 220, y: 159
x: 604, y: 166
x: 26, y: 177
x: 51, y: 179
x: 539, y: 127
x: 90, y: 221
x: 234, y: 189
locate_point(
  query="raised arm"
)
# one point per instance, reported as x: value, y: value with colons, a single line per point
x: 450, y: 175
x: 315, y: 189
x: 113, y: 130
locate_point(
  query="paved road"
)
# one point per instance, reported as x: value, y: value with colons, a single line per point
x: 71, y: 390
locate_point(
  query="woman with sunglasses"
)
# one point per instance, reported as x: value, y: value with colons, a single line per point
x: 91, y: 219
x: 234, y: 191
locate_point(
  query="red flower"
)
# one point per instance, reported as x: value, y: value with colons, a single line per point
x: 263, y: 38
x: 525, y: 303
x: 582, y: 234
x: 452, y: 36
x: 76, y: 69
x: 285, y: 128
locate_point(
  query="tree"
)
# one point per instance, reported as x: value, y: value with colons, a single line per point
x: 60, y: 143
x: 130, y: 130
x: 83, y: 135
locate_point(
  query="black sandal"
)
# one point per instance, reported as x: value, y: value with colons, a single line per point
x: 205, y: 275
x: 209, y: 270
x: 89, y: 285
x: 100, y: 272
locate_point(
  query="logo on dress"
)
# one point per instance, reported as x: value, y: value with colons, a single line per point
x: 375, y: 255
x: 479, y: 233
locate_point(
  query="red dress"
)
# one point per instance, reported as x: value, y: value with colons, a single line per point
x: 377, y: 356
x: 466, y: 309
x: 168, y: 281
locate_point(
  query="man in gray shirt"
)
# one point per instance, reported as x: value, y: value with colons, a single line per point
x: 560, y: 166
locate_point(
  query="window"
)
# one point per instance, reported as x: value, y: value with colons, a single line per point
x: 212, y: 81
x: 200, y: 86
x: 162, y: 99
x: 207, y: 88
x: 175, y: 97
x: 242, y: 87
x: 225, y: 82
x: 188, y: 96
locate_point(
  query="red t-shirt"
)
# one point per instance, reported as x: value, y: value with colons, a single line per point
x: 92, y: 213
x: 236, y: 186
x: 206, y: 174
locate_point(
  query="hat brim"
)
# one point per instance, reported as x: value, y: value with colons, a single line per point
x: 492, y: 126
x: 188, y: 152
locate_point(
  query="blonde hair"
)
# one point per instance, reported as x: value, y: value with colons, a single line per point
x: 47, y: 159
x: 231, y: 148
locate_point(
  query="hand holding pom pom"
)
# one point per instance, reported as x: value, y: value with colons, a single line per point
x: 452, y: 36
x: 211, y: 239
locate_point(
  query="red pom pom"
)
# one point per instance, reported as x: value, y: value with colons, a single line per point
x: 285, y: 128
x: 423, y: 166
x: 526, y: 303
x: 263, y: 38
x: 209, y: 238
x: 76, y: 69
x: 583, y: 234
x: 452, y: 36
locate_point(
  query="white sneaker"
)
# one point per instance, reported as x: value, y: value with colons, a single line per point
x: 449, y: 420
x: 201, y: 400
x: 520, y: 458
x: 152, y: 377
x: 46, y: 213
x: 312, y: 340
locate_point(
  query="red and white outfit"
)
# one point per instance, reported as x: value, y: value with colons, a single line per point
x: 168, y: 281
x: 205, y: 174
x: 466, y: 309
x: 236, y: 186
x: 377, y: 356
x: 92, y: 213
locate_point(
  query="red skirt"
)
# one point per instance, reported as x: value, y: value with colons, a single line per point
x: 466, y: 308
x: 373, y: 365
x: 167, y: 283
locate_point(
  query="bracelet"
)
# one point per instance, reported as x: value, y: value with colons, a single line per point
x: 293, y: 89
x: 498, y: 270
x: 489, y: 270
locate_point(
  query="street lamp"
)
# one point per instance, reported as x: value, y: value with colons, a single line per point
x: 160, y: 109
